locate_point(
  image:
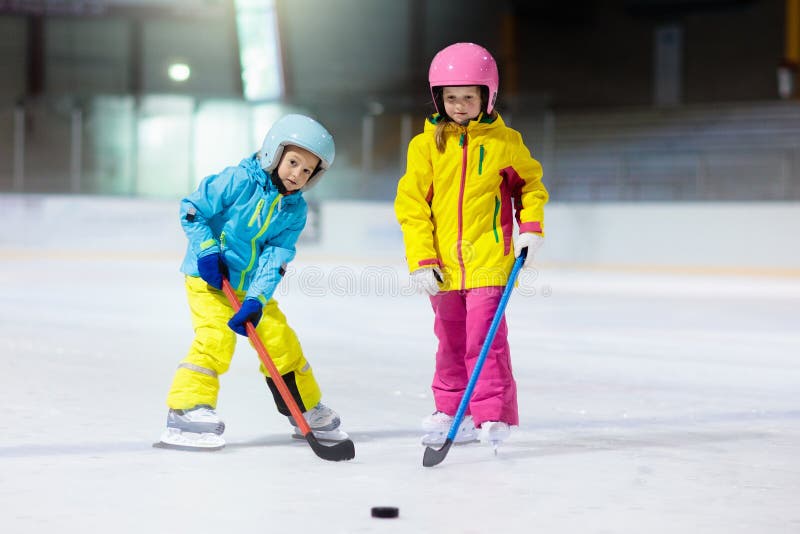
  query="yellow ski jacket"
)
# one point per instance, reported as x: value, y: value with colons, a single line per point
x: 456, y: 208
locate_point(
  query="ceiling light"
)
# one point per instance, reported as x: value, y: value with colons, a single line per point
x: 179, y: 72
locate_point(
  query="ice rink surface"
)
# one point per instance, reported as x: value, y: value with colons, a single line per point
x: 649, y: 403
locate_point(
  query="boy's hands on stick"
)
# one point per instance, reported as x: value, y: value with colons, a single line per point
x: 212, y: 269
x: 250, y: 311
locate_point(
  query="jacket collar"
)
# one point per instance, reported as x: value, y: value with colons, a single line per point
x: 259, y: 176
x: 481, y: 122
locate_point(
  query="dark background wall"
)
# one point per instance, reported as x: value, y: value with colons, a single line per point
x: 86, y: 103
x: 568, y: 54
x: 595, y: 54
x: 119, y: 48
x: 733, y: 53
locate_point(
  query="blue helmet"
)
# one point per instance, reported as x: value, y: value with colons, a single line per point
x: 301, y: 131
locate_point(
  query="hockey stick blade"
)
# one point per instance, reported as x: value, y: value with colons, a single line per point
x: 435, y: 457
x: 343, y: 450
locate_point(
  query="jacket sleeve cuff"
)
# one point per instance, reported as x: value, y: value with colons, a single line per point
x: 208, y: 250
x: 430, y: 262
x: 533, y: 227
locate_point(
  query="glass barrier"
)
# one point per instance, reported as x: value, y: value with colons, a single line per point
x: 163, y: 145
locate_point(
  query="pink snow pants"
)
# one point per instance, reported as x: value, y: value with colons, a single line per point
x: 461, y: 324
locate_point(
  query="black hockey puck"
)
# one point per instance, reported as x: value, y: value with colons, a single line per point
x: 385, y: 512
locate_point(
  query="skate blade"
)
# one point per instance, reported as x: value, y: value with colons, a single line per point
x: 437, y: 440
x: 171, y: 446
x: 324, y: 436
x: 189, y: 441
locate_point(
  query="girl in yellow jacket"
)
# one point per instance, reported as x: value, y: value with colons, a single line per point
x: 467, y: 176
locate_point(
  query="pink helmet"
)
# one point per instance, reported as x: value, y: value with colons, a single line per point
x: 464, y: 64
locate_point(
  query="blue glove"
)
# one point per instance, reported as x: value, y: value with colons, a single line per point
x: 250, y: 311
x: 212, y: 269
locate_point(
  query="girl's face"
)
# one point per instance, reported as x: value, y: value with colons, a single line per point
x: 296, y: 167
x: 462, y: 103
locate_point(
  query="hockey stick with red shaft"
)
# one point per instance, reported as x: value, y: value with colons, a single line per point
x: 343, y: 450
x: 433, y: 456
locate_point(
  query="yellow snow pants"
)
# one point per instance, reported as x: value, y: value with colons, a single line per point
x: 197, y: 378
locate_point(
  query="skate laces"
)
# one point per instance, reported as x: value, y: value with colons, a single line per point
x: 320, y: 417
x: 201, y: 413
x: 437, y: 426
x: 200, y: 419
x: 437, y: 421
x: 441, y: 422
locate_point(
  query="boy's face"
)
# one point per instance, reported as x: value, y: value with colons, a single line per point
x: 462, y: 104
x: 296, y: 167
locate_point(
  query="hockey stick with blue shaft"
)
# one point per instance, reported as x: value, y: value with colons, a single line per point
x: 343, y: 450
x: 433, y: 456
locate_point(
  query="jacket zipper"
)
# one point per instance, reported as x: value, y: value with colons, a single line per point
x: 463, y: 142
x: 255, y: 239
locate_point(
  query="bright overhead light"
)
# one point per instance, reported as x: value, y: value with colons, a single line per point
x: 179, y: 72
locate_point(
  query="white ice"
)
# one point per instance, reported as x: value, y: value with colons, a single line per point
x: 649, y: 404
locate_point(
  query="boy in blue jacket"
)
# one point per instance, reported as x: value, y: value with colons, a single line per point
x: 242, y: 224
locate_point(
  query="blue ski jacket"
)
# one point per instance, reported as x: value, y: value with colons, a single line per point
x: 241, y: 214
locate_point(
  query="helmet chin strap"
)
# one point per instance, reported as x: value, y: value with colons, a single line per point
x: 276, y: 181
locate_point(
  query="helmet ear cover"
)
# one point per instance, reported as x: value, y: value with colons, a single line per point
x: 316, y: 169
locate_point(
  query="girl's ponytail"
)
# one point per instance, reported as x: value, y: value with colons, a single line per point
x: 443, y: 128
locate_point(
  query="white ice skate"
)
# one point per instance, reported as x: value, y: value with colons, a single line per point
x: 437, y: 426
x: 324, y: 423
x: 494, y: 432
x: 196, y: 429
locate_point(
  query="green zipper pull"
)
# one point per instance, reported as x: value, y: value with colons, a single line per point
x: 252, y: 220
x: 494, y: 220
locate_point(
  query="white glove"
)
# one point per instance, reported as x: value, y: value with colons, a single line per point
x: 426, y: 280
x: 532, y: 242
